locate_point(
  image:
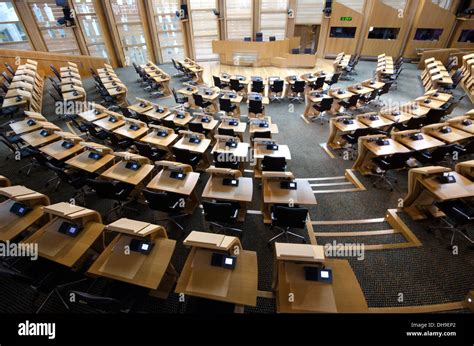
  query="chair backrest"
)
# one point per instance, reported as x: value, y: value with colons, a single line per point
x: 196, y: 127
x: 298, y: 86
x: 198, y: 100
x: 335, y: 78
x: 161, y: 200
x: 224, y: 160
x: 273, y: 163
x: 226, y: 132
x: 103, y: 188
x: 175, y: 95
x: 4, y: 87
x: 255, y: 106
x: 168, y: 123
x: 307, y: 51
x: 289, y: 217
x: 217, y: 82
x: 225, y: 104
x: 319, y: 83
x: 398, y: 160
x: 257, y: 86
x: 415, y: 123
x: 7, y: 77
x: 235, y: 84
x: 353, y: 100
x: 262, y: 134
x: 144, y: 149
x: 219, y: 211
x: 272, y: 38
x: 385, y: 89
x: 326, y: 103
x: 55, y: 71
x: 439, y: 153
x: 277, y: 86
x: 434, y: 115
x: 185, y: 156
x: 101, y: 303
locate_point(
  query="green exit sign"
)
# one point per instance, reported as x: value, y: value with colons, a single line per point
x: 346, y: 19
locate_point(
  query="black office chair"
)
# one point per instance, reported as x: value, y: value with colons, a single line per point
x: 25, y: 152
x: 55, y: 71
x: 186, y: 156
x: 435, y: 115
x: 257, y: 86
x: 100, y: 303
x: 322, y: 107
x: 414, y: 123
x: 152, y: 153
x: 350, y: 104
x: 272, y: 38
x: 117, y: 143
x: 273, y: 164
x: 236, y: 85
x: 179, y: 73
x: 456, y: 78
x: 77, y: 180
x: 297, y: 90
x: 388, y: 163
x: 4, y: 87
x: 318, y: 84
x: 220, y: 215
x: 468, y: 148
x: 199, y: 101
x: 259, y: 37
x: 334, y: 79
x: 218, y: 83
x: 225, y: 105
x: 384, y: 90
x: 225, y: 160
x: 276, y: 90
x: 458, y: 217
x: 261, y: 134
x: 226, y: 132
x: 256, y: 107
x: 100, y: 135
x: 440, y: 154
x: 7, y: 77
x: 116, y: 191
x: 286, y: 218
x: 353, y: 138
x: 198, y: 128
x: 169, y: 203
x: 182, y: 100
x: 170, y: 124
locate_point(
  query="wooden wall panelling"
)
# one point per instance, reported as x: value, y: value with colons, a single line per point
x: 385, y: 16
x: 290, y: 22
x: 333, y: 45
x: 44, y: 59
x: 106, y: 32
x: 462, y: 24
x: 430, y: 15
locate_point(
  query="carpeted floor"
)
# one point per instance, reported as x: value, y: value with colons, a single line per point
x: 429, y: 274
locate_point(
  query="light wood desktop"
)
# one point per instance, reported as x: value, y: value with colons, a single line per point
x: 453, y: 136
x: 120, y: 172
x: 154, y: 139
x: 12, y: 225
x: 88, y: 164
x: 35, y: 139
x: 199, y: 278
x: 61, y: 248
x: 153, y: 270
x: 427, y: 142
x: 274, y: 194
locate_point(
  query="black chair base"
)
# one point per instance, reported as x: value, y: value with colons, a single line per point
x: 385, y: 178
x: 286, y: 232
x: 223, y: 228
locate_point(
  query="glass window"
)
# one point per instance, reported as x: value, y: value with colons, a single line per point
x: 342, y: 32
x: 384, y: 33
x: 205, y: 28
x: 168, y: 26
x: 90, y: 26
x: 130, y: 29
x: 59, y: 39
x: 428, y: 34
x: 273, y: 16
x: 12, y: 35
x: 466, y: 36
x: 238, y: 19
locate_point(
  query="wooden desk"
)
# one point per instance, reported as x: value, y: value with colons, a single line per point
x: 454, y: 136
x: 92, y: 115
x: 58, y: 152
x: 83, y: 162
x: 200, y: 148
x: 61, y: 248
x: 338, y: 128
x: 427, y: 142
x: 13, y: 225
x: 273, y: 128
x: 20, y: 127
x: 458, y: 123
x: 383, y: 150
x: 121, y: 173
x: 125, y: 131
x: 108, y: 125
x: 141, y: 108
x: 134, y: 268
x: 157, y: 113
x: 180, y: 122
x: 35, y: 139
x: 274, y: 194
x: 424, y: 189
x: 379, y: 121
x: 160, y: 142
x: 163, y: 182
x: 238, y: 286
x: 396, y: 115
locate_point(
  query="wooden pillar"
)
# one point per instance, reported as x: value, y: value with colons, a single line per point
x: 290, y: 23
x: 100, y: 11
x: 410, y: 11
x: 29, y: 24
x: 142, y: 10
x: 366, y: 12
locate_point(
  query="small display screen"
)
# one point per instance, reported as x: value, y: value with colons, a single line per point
x: 19, y: 209
x: 162, y: 133
x: 134, y: 127
x: 133, y: 165
x: 446, y: 130
x: 113, y: 119
x: 70, y: 229
x: 31, y: 122
x: 233, y: 123
x: 44, y: 133
x: 67, y: 145
x: 231, y: 144
x: 272, y: 147
x: 94, y: 156
x: 194, y: 140
x: 382, y: 142
x: 288, y: 185
x: 177, y: 175
x: 205, y: 120
x: 180, y: 115
x: 230, y: 182
x: 263, y: 124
